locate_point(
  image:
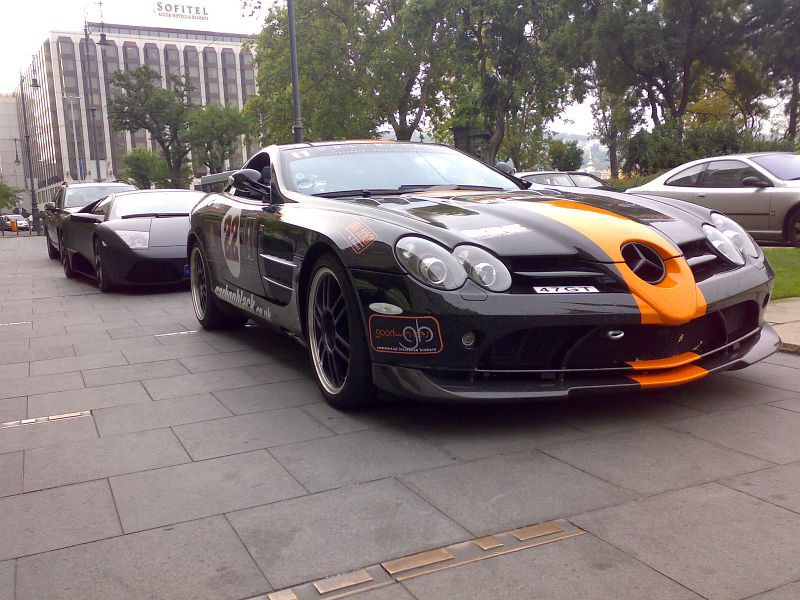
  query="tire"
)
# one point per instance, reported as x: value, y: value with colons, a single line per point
x: 66, y: 263
x: 102, y: 276
x: 52, y: 251
x: 337, y: 344
x: 792, y: 232
x: 209, y: 311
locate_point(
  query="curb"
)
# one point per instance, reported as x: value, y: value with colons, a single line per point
x: 790, y: 348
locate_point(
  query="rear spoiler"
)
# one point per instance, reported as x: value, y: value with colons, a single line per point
x: 206, y: 181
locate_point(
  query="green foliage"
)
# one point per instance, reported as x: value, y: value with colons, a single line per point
x: 162, y: 112
x: 564, y: 156
x: 631, y: 182
x: 144, y: 167
x: 215, y: 134
x: 8, y: 195
x: 786, y: 264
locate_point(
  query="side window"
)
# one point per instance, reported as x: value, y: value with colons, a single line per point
x: 103, y: 206
x: 688, y: 177
x: 59, y: 199
x: 727, y: 174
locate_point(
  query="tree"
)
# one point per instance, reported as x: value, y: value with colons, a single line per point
x: 614, y: 118
x: 145, y: 168
x: 565, y: 156
x: 8, y: 195
x: 215, y: 134
x: 163, y: 113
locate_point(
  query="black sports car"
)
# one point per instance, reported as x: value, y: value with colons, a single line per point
x: 424, y: 272
x: 129, y: 238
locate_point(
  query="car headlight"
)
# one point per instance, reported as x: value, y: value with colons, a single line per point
x: 736, y: 234
x: 430, y: 263
x: 723, y: 244
x: 134, y: 239
x: 483, y: 268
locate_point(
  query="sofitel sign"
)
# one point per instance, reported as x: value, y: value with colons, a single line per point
x: 181, y: 11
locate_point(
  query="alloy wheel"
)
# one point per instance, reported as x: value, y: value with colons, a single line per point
x: 329, y: 331
x: 198, y: 281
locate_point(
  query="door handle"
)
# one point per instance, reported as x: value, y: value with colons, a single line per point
x: 701, y: 194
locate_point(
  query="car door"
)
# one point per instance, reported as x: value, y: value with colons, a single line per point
x: 79, y: 232
x: 683, y: 185
x: 721, y: 189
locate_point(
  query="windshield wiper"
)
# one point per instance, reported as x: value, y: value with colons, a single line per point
x: 358, y: 193
x: 459, y: 186
x: 154, y: 214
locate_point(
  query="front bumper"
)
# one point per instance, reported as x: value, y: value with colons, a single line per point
x: 158, y: 265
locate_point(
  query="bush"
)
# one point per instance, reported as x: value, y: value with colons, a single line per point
x: 564, y: 156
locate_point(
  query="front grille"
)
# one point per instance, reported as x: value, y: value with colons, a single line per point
x: 151, y: 271
x: 529, y: 271
x: 578, y: 347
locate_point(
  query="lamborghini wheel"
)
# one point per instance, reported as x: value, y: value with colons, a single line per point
x: 336, y: 341
x: 52, y: 251
x: 207, y: 308
x: 100, y: 270
x: 66, y: 263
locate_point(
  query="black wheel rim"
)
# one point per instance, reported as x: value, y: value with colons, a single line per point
x: 64, y: 258
x: 329, y: 331
x: 199, y: 284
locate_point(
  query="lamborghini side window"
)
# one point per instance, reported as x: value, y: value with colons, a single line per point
x: 103, y: 206
x: 688, y: 177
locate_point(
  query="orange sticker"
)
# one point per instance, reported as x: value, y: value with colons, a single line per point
x: 359, y: 236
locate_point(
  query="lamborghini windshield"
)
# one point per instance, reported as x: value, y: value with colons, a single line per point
x: 345, y: 167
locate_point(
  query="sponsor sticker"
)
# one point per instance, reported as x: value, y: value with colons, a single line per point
x: 405, y: 335
x: 565, y: 289
x: 244, y: 300
x: 359, y: 236
x: 231, y: 246
x: 485, y: 233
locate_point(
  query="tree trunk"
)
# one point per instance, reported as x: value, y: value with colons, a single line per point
x: 792, y: 109
x: 613, y: 158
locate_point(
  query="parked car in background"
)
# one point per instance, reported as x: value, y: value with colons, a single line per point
x: 70, y: 198
x: 22, y: 223
x: 760, y: 191
x: 129, y: 238
x: 566, y: 179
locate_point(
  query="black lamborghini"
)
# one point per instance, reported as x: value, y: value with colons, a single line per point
x: 422, y: 271
x: 129, y: 238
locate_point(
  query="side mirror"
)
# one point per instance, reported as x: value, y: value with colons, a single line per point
x: 753, y: 181
x: 250, y: 181
x: 505, y: 168
x: 49, y: 206
x: 87, y: 217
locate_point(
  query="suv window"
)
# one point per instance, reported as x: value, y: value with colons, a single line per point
x: 688, y: 177
x: 586, y: 181
x: 727, y: 174
x: 551, y: 179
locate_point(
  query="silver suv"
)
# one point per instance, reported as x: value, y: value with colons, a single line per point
x: 760, y: 190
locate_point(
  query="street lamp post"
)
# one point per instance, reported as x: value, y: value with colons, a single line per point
x: 34, y: 206
x: 298, y: 118
x: 92, y: 107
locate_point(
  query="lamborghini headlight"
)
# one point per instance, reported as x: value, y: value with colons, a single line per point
x: 738, y: 236
x: 430, y: 263
x: 483, y: 268
x: 135, y: 239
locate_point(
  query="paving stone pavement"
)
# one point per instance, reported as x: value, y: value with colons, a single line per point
x: 205, y: 465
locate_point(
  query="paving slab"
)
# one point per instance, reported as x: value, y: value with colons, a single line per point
x: 770, y: 374
x: 342, y: 460
x: 792, y: 404
x: 136, y: 330
x: 227, y: 360
x: 390, y: 592
x: 779, y: 485
x: 714, y: 540
x: 269, y: 396
x: 787, y: 359
x: 653, y: 460
x: 77, y: 363
x: 25, y: 437
x: 384, y: 414
x: 197, y: 383
x: 13, y: 409
x: 784, y: 592
x: 579, y: 567
x: 47, y: 520
x: 14, y: 370
x: 159, y: 352
x: 314, y: 536
x: 57, y: 403
x: 51, y: 340
x: 14, y: 355
x: 201, y: 560
x: 155, y: 415
x: 100, y: 325
x: 148, y: 370
x: 201, y: 489
x: 505, y: 492
x: 234, y: 435
x: 7, y: 571
x: 718, y: 392
x: 764, y: 431
x: 10, y: 474
x: 109, y: 345
x: 25, y: 386
x: 94, y: 459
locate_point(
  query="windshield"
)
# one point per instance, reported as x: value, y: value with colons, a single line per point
x: 585, y: 181
x: 15, y: 217
x: 155, y: 203
x: 783, y: 166
x: 551, y: 179
x: 79, y: 197
x: 384, y: 166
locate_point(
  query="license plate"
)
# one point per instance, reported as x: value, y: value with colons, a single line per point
x: 185, y: 270
x: 566, y: 289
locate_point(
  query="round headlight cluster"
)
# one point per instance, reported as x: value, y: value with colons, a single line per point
x: 730, y: 240
x: 433, y: 265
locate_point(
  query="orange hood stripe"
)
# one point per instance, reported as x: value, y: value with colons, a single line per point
x: 675, y: 300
